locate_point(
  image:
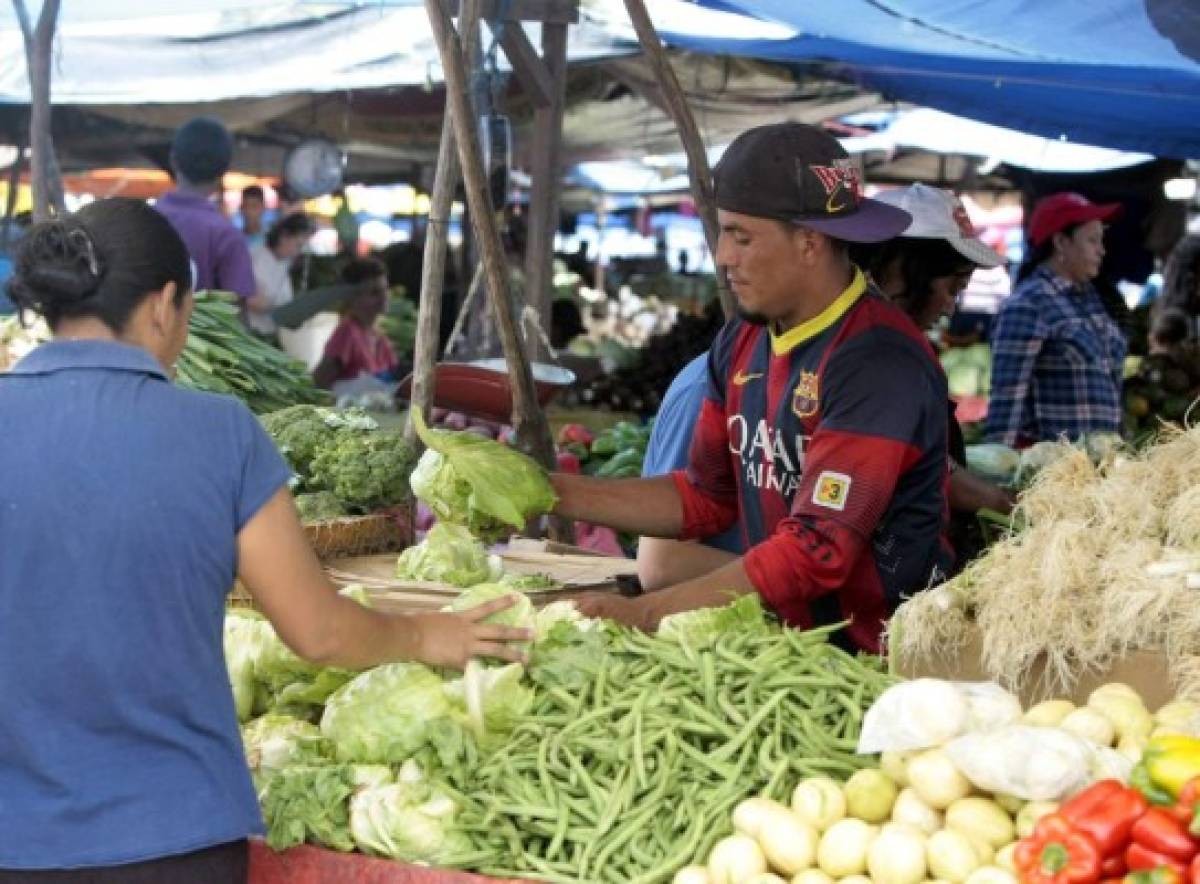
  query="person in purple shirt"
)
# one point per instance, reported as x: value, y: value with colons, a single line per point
x: 201, y: 152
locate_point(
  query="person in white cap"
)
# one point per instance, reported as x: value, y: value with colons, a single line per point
x: 924, y: 271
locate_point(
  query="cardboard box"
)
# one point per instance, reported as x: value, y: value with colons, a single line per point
x: 1145, y: 671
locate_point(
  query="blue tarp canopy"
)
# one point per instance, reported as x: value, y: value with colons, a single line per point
x: 1114, y: 73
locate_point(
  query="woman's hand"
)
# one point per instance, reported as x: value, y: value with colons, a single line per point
x: 451, y: 639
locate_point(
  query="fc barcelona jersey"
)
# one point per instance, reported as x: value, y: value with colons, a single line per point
x: 828, y: 442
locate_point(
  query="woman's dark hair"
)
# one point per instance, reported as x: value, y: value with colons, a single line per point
x: 1036, y: 256
x: 921, y: 261
x: 253, y: 192
x: 1181, y: 276
x: 295, y: 224
x: 101, y: 262
x: 361, y: 270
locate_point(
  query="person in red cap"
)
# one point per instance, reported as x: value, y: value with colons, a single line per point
x: 822, y: 434
x: 1057, y: 356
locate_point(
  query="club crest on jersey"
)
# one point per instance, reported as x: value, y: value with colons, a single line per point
x: 806, y: 398
x: 831, y: 490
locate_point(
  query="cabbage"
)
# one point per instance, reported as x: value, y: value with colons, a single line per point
x: 245, y: 635
x: 701, y: 628
x: 548, y: 616
x: 275, y: 741
x: 409, y: 820
x: 491, y: 698
x: 308, y: 803
x: 994, y: 462
x: 520, y: 614
x: 448, y: 554
x: 384, y: 715
x: 490, y: 488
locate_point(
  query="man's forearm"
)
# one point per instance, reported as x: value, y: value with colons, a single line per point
x: 650, y: 507
x: 712, y: 590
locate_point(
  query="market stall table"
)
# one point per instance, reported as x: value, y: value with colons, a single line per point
x: 314, y: 865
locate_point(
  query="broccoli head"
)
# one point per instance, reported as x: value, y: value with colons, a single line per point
x: 366, y: 471
x: 300, y: 431
x: 319, y: 506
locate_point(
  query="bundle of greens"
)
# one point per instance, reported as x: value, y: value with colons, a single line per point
x: 467, y: 480
x: 222, y: 357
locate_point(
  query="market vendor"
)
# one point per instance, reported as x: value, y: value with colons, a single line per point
x: 128, y: 507
x: 924, y: 272
x: 1058, y: 358
x: 272, y: 261
x: 357, y: 348
x: 823, y: 431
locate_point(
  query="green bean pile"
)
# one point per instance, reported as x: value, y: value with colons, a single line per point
x: 222, y: 357
x: 635, y: 775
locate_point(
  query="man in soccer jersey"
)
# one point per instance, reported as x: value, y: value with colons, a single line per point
x: 822, y: 434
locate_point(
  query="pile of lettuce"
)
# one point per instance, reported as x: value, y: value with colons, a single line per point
x: 358, y: 761
x: 487, y: 487
x: 449, y: 554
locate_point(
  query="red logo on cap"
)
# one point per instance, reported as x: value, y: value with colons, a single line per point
x: 842, y: 174
x: 963, y: 220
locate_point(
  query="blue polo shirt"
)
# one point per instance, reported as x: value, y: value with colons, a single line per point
x: 121, y: 498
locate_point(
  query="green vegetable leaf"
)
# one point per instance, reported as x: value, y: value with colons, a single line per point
x: 490, y: 488
x: 701, y: 628
x: 308, y: 803
x: 448, y: 554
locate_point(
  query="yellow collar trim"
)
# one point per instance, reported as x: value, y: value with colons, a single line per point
x: 781, y: 344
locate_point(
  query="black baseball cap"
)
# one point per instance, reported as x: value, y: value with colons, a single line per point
x: 801, y: 175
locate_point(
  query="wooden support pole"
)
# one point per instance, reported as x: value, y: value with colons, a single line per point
x: 533, y: 75
x: 43, y: 167
x: 699, y: 173
x: 529, y: 422
x: 437, y: 239
x: 545, y: 171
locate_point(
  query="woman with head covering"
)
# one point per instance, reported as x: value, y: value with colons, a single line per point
x: 128, y: 508
x: 1057, y: 356
x: 924, y: 271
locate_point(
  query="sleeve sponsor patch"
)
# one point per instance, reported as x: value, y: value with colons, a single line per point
x: 831, y: 490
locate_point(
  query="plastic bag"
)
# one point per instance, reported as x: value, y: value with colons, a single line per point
x: 1033, y: 763
x: 928, y: 712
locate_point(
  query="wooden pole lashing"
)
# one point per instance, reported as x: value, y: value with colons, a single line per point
x: 529, y: 422
x: 437, y: 238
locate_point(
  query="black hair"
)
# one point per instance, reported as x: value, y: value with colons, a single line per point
x: 295, y: 224
x: 921, y: 261
x: 101, y: 262
x: 362, y: 270
x: 253, y: 191
x: 1035, y: 256
x: 1181, y: 276
x: 202, y: 150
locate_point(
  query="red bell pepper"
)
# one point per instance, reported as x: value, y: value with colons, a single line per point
x: 1193, y: 874
x: 1058, y: 853
x: 1114, y: 866
x: 1160, y: 832
x: 1107, y: 811
x: 1187, y: 807
x: 575, y: 433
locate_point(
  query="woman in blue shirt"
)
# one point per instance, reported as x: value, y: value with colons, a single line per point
x: 127, y: 509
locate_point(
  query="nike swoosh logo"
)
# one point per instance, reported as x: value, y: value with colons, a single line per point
x: 741, y: 378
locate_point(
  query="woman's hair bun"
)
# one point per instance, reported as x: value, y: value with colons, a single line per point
x: 57, y: 264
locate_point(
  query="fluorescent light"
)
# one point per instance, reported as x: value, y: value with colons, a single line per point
x: 1181, y: 189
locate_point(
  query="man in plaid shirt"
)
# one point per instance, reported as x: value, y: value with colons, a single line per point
x: 1057, y: 356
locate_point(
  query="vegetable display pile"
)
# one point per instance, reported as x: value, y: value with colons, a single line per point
x: 968, y: 370
x: 617, y: 757
x: 344, y: 464
x: 1163, y: 388
x: 971, y: 790
x: 222, y: 357
x: 1108, y: 558
x: 616, y: 453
